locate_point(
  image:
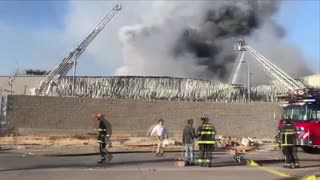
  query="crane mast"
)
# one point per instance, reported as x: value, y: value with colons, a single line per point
x: 69, y: 60
x: 273, y: 71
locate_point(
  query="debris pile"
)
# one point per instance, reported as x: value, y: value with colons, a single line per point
x: 228, y: 142
x: 225, y: 142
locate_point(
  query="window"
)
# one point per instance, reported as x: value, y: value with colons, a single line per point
x: 299, y: 113
x: 318, y: 115
x: 314, y: 114
x: 305, y: 112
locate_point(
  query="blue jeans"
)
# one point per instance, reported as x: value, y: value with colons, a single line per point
x: 189, y: 154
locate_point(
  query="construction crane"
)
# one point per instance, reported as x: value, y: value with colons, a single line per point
x: 70, y: 59
x: 273, y: 71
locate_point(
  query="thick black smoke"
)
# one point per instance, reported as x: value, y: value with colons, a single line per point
x: 231, y: 20
x: 196, y: 39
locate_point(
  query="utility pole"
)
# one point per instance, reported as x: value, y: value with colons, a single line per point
x: 74, y: 76
x: 248, y: 80
x: 10, y: 82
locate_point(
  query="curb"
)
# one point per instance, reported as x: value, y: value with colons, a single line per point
x: 119, y: 152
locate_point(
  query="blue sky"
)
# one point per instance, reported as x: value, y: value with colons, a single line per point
x: 31, y: 31
x: 301, y: 20
x: 31, y: 24
x: 30, y: 14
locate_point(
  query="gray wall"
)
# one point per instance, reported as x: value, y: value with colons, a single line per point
x: 64, y: 115
x: 21, y: 84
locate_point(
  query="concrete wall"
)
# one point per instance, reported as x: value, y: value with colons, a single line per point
x: 21, y: 84
x: 134, y: 117
x: 142, y: 87
x: 145, y: 88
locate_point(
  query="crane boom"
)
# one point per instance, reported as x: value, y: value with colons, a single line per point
x: 66, y: 64
x: 274, y: 71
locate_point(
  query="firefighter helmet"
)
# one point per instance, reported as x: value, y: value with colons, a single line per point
x: 204, y: 118
x: 286, y: 120
x: 99, y: 116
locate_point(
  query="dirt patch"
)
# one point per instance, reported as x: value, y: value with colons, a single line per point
x: 55, y: 141
x: 88, y: 143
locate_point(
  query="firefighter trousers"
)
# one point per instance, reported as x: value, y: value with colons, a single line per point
x: 205, y: 154
x: 104, y: 153
x: 289, y: 156
x: 103, y: 150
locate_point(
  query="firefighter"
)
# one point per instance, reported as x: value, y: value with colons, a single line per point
x: 206, y: 141
x: 105, y: 132
x: 287, y: 140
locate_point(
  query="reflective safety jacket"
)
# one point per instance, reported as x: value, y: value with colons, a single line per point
x: 105, y: 131
x: 206, y: 134
x: 287, y: 135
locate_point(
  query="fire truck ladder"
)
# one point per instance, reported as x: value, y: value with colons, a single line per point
x: 273, y: 71
x: 66, y: 64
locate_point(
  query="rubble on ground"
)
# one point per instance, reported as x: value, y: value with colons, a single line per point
x: 127, y: 143
x: 227, y: 141
x: 258, y: 143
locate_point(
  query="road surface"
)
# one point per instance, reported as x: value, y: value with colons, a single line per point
x: 145, y: 166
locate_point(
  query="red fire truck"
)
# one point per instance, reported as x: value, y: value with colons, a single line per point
x: 303, y: 107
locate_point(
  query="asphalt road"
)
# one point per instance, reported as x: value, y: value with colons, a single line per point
x: 146, y: 166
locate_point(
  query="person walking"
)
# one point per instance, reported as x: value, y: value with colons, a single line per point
x: 161, y: 132
x: 105, y: 132
x: 188, y: 141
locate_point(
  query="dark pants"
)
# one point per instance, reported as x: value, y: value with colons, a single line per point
x: 205, y: 154
x: 288, y: 152
x: 102, y: 149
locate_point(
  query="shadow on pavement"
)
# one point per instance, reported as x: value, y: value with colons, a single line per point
x: 140, y: 162
x: 121, y: 152
x: 269, y: 161
x: 266, y: 162
x: 310, y: 166
x: 77, y: 165
x: 273, y: 161
x: 112, y: 164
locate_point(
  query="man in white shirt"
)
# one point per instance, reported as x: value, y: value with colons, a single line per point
x: 161, y: 132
